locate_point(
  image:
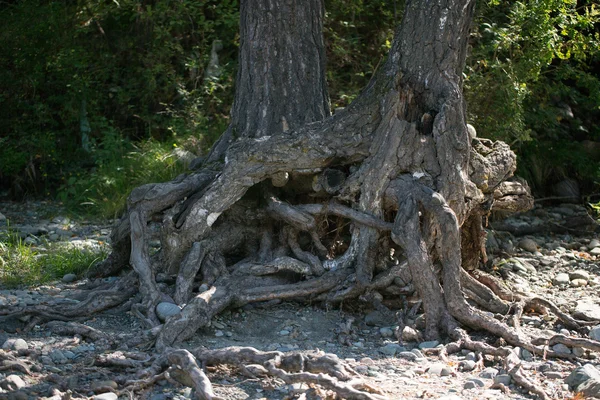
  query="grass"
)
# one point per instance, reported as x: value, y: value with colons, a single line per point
x: 23, y: 265
x: 120, y: 167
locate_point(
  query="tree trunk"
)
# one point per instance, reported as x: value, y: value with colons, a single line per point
x: 294, y: 204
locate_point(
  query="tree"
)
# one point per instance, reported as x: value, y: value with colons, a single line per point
x: 292, y: 203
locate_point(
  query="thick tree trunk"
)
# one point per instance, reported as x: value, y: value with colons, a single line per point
x: 281, y: 83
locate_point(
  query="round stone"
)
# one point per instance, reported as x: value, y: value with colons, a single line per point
x: 528, y: 244
x: 15, y: 344
x: 165, y: 310
x: 561, y: 279
x: 68, y: 278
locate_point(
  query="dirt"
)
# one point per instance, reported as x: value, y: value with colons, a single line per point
x: 355, y: 333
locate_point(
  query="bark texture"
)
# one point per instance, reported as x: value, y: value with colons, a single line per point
x: 380, y: 199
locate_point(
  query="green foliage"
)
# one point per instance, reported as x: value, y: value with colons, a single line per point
x: 532, y: 81
x: 120, y: 167
x: 138, y: 67
x: 21, y: 264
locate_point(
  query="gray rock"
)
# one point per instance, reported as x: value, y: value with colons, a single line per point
x: 12, y: 382
x: 471, y: 356
x: 15, y: 344
x: 284, y: 332
x: 472, y: 131
x: 595, y: 333
x: 410, y: 334
x: 418, y: 353
x: 553, y: 375
x: 590, y: 389
x: 58, y: 357
x: 579, y: 274
x: 386, y: 332
x: 578, y: 351
x: 428, y: 345
x: 593, y: 244
x: 528, y: 244
x: 578, y: 283
x: 390, y: 349
x: 561, y: 349
x: 470, y: 385
x: 408, y: 355
x: 503, y: 379
x: 477, y: 382
x: 377, y: 318
x: 165, y: 310
x: 588, y: 310
x: 467, y: 365
x: 99, y: 386
x: 561, y: 279
x: 582, y: 374
x: 439, y: 370
x: 30, y: 241
x: 105, y: 396
x: 68, y: 278
x: 595, y: 251
x: 488, y: 373
x: 491, y: 244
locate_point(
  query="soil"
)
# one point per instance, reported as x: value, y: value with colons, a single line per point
x: 362, y: 336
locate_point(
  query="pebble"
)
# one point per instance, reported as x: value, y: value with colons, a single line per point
x: 105, y: 396
x: 595, y: 251
x: 284, y: 332
x: 528, y: 244
x: 579, y: 274
x: 470, y: 385
x: 410, y: 334
x: 467, y: 365
x: 100, y: 386
x: 561, y: 349
x: 488, y: 373
x: 439, y: 370
x: 409, y: 355
x: 561, y: 279
x: 15, y: 344
x: 68, y: 278
x: 165, y: 310
x: 428, y: 345
x: 477, y: 382
x: 579, y: 282
x: 386, y: 332
x: 595, y: 333
x: 553, y: 375
x: 12, y: 382
x: 504, y: 379
x: 390, y: 349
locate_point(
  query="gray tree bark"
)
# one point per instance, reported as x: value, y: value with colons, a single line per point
x: 292, y: 203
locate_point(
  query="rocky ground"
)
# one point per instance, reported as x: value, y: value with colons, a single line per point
x: 556, y: 260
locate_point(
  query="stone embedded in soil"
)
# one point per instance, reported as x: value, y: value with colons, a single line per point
x: 561, y: 349
x: 489, y: 373
x: 68, y: 278
x: 12, y: 382
x: 595, y: 333
x: 595, y: 251
x: 378, y: 318
x: 588, y: 310
x: 578, y: 282
x: 103, y: 386
x: 477, y: 382
x: 467, y: 365
x: 106, y: 396
x: 428, y: 345
x: 410, y: 334
x: 165, y: 310
x: 15, y: 344
x: 561, y: 279
x: 386, y: 332
x: 581, y: 375
x: 390, y: 349
x: 528, y: 244
x: 439, y: 370
x: 503, y: 379
x: 579, y: 274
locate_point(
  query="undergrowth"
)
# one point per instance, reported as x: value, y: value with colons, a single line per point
x: 22, y: 265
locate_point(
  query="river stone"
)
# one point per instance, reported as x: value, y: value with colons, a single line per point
x: 561, y: 279
x: 439, y: 370
x: 467, y: 365
x: 386, y: 332
x: 103, y: 386
x: 390, y: 349
x: 489, y: 373
x: 15, y: 344
x: 561, y: 349
x: 477, y: 381
x: 590, y: 389
x: 595, y: 333
x: 578, y: 283
x: 68, y: 278
x: 165, y: 310
x: 587, y: 310
x: 377, y: 318
x: 428, y: 345
x: 595, y: 251
x: 579, y: 274
x: 410, y: 334
x: 106, y: 396
x: 528, y: 244
x: 582, y: 374
x: 409, y: 355
x: 594, y: 243
x: 12, y: 382
x: 503, y: 379
x: 469, y: 385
